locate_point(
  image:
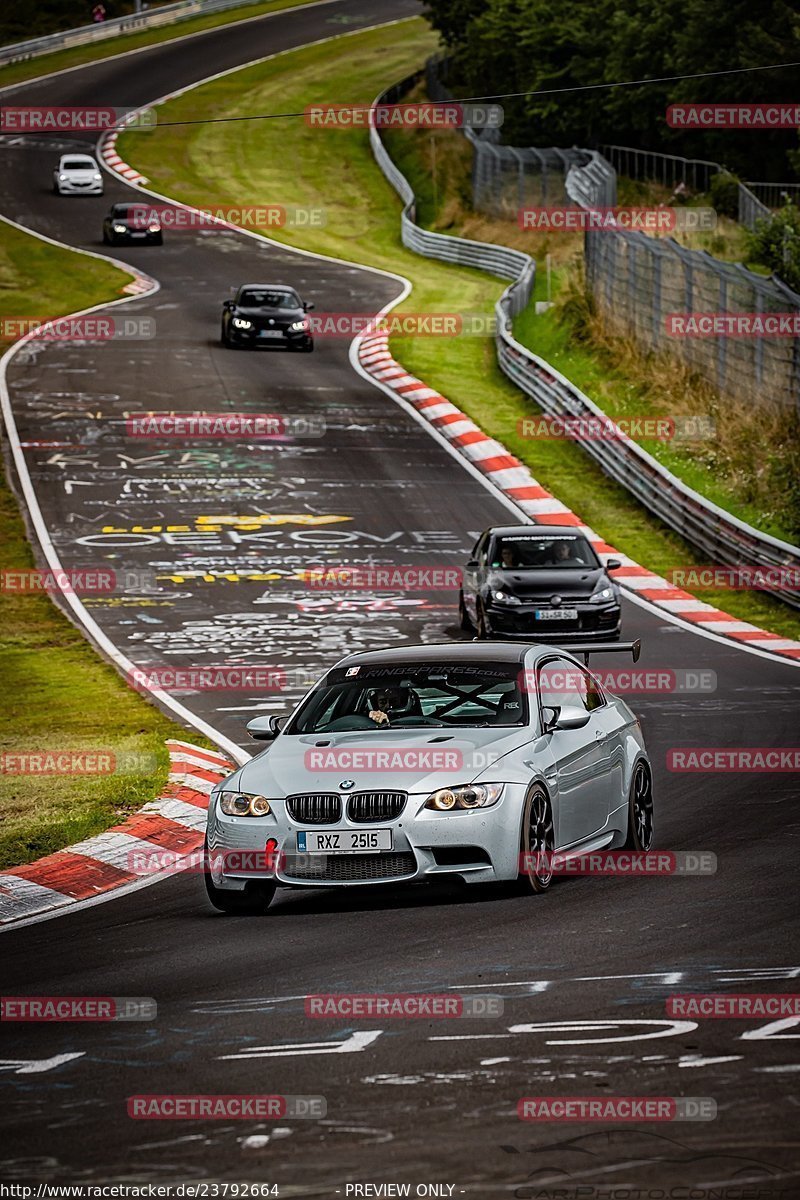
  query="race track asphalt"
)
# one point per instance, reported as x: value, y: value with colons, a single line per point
x: 424, y: 1101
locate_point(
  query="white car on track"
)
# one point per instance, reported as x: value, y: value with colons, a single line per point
x: 77, y: 175
x: 477, y: 760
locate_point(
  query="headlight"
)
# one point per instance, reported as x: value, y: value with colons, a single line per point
x: 120, y: 228
x: 298, y: 326
x: 97, y: 177
x: 603, y: 596
x: 62, y: 178
x: 474, y: 795
x: 243, y: 804
x: 241, y: 323
x: 154, y: 228
x: 505, y: 598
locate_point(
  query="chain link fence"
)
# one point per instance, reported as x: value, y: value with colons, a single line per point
x: 641, y: 283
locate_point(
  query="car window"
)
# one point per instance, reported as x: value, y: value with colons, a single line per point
x: 521, y: 552
x: 78, y: 164
x: 565, y: 684
x: 260, y: 298
x: 435, y: 694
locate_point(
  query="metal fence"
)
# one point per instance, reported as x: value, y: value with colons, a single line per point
x: 717, y: 533
x: 167, y: 14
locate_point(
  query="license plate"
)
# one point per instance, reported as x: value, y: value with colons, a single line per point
x: 344, y: 841
x: 276, y: 333
x: 138, y: 235
x: 556, y: 614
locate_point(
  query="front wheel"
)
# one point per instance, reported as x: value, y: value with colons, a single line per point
x: 463, y: 616
x: 640, y: 810
x: 483, y: 626
x: 255, y: 898
x: 538, y: 841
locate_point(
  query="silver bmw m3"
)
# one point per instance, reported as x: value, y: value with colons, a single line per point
x: 485, y: 761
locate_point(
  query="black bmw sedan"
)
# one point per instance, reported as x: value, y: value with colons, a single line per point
x: 266, y: 314
x: 542, y: 582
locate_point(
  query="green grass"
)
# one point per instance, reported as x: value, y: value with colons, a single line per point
x: 336, y: 169
x: 57, y: 693
x: 76, y: 56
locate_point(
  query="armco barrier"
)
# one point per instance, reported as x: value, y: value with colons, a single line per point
x: 85, y: 35
x: 726, y: 539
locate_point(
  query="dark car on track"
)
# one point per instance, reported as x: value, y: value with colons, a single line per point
x: 267, y: 314
x: 131, y: 223
x: 540, y: 582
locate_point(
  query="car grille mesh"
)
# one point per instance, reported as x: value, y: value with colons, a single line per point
x: 318, y: 809
x: 363, y: 807
x: 351, y: 868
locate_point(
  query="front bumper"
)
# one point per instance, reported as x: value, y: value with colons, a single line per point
x: 601, y: 622
x: 289, y: 339
x: 67, y: 188
x: 480, y: 846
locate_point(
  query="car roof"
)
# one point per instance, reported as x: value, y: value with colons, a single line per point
x: 84, y: 157
x: 454, y: 652
x: 268, y: 287
x: 544, y: 530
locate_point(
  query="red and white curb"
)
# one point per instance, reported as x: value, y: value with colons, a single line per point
x: 175, y: 823
x: 515, y: 481
x: 108, y: 154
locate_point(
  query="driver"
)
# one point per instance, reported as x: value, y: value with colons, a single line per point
x: 387, y: 700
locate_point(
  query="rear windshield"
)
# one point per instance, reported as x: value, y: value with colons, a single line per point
x: 447, y: 695
x: 551, y: 551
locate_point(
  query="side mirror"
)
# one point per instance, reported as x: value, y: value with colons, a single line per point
x: 613, y: 564
x: 227, y: 304
x: 571, y: 718
x: 266, y: 729
x: 309, y: 304
x: 473, y: 562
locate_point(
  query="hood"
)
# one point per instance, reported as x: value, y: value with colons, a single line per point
x: 571, y: 583
x: 300, y: 763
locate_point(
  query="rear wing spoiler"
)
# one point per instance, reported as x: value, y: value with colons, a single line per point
x: 633, y: 648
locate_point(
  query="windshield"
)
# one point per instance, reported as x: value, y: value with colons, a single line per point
x: 402, y: 697
x: 551, y: 551
x: 259, y: 298
x: 79, y: 164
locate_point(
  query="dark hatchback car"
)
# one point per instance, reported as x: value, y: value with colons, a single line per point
x: 542, y: 582
x: 131, y: 223
x: 265, y: 314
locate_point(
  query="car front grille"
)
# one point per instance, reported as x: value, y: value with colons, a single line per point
x: 318, y: 809
x: 363, y: 807
x: 352, y: 868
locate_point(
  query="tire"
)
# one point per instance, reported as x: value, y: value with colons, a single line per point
x: 463, y: 616
x: 253, y: 900
x: 483, y: 628
x: 640, y: 809
x: 538, y: 838
x: 106, y: 239
x: 225, y: 340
